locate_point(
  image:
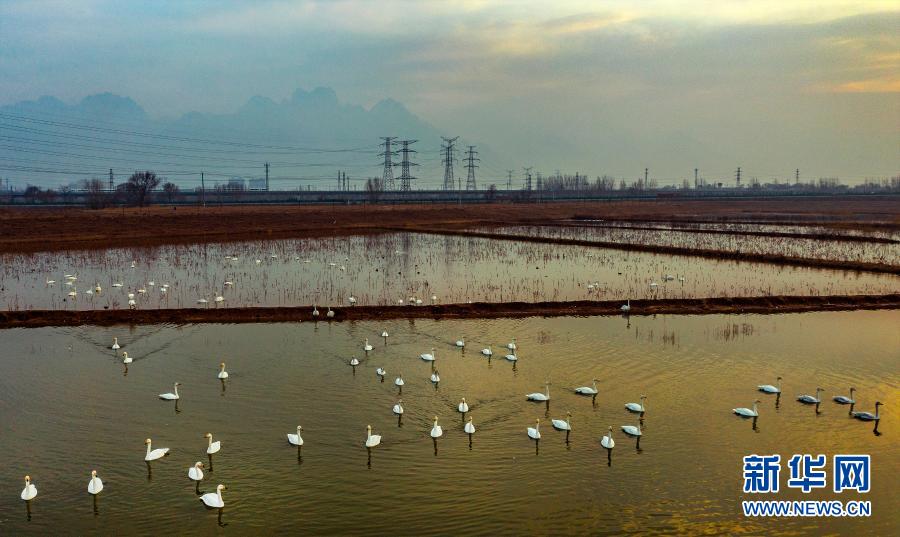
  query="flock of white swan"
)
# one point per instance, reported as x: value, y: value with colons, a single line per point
x: 810, y: 400
x: 214, y: 500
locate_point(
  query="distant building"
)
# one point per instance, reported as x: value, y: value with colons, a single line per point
x: 257, y: 184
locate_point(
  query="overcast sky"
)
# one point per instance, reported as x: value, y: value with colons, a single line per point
x: 595, y: 86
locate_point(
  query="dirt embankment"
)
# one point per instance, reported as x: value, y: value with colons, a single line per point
x: 46, y: 229
x: 480, y: 310
x: 679, y: 250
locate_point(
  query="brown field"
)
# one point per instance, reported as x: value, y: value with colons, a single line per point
x: 45, y: 229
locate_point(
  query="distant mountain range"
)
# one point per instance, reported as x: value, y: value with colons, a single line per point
x: 307, y: 138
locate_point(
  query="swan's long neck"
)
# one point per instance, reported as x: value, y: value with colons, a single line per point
x: 148, y: 448
x: 594, y: 384
x: 876, y: 412
x: 176, y: 390
x: 219, y: 493
x: 779, y: 385
x: 547, y: 390
x: 754, y: 409
x: 210, y: 440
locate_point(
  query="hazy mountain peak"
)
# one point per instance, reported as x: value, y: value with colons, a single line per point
x: 109, y: 104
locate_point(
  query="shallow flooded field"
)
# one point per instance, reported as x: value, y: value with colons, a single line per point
x: 743, y: 227
x: 68, y: 406
x: 388, y: 269
x: 866, y: 252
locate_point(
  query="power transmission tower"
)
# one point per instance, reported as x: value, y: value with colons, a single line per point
x: 696, y: 178
x: 737, y: 176
x: 447, y: 147
x: 509, y: 179
x: 470, y: 166
x: 111, y: 184
x: 267, y: 176
x: 405, y: 177
x: 797, y: 176
x: 528, y: 177
x: 202, y: 190
x: 387, y: 176
x: 646, y: 175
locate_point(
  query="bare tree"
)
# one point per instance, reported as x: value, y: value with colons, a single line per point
x: 171, y: 190
x: 32, y: 193
x: 374, y: 188
x: 139, y: 187
x: 97, y: 197
x: 491, y: 193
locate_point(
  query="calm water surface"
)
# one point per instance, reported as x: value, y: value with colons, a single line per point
x: 67, y: 407
x: 385, y: 269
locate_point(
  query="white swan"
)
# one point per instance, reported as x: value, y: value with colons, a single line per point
x: 219, y: 299
x: 352, y: 300
x: 588, y: 390
x: 195, y: 472
x: 840, y: 399
x: 436, y: 430
x: 469, y: 428
x: 435, y: 377
x: 626, y: 307
x: 222, y: 373
x: 384, y: 333
x: 380, y: 372
x: 398, y: 408
x: 428, y: 357
x: 487, y: 351
x: 631, y: 430
x: 354, y: 362
x: 315, y: 312
x: 295, y: 439
x: 125, y: 358
x: 746, y: 412
x: 512, y: 345
x: 638, y: 407
x: 535, y: 432
x: 115, y: 345
x: 367, y: 347
x: 461, y: 342
x: 562, y: 425
x: 868, y: 416
x: 768, y: 388
x: 154, y: 454
x: 372, y: 440
x: 538, y: 396
x: 399, y: 381
x: 117, y: 285
x: 330, y: 313
x: 95, y: 485
x: 607, y: 441
x: 214, y: 499
x: 212, y: 447
x: 463, y: 406
x: 30, y: 491
x: 809, y: 399
x: 513, y: 357
x: 171, y: 396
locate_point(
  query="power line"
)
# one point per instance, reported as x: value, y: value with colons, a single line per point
x: 470, y: 166
x: 387, y: 176
x: 448, y: 149
x: 405, y: 177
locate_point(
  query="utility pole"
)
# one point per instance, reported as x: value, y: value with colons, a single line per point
x: 448, y: 148
x: 470, y: 165
x: 267, y: 176
x: 509, y: 179
x: 387, y: 176
x: 646, y: 175
x: 528, y: 177
x: 696, y: 179
x: 405, y: 177
x: 202, y: 190
x: 111, y: 183
x: 737, y: 176
x: 339, y: 180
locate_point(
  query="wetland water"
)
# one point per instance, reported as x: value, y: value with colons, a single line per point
x: 67, y: 407
x: 384, y: 269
